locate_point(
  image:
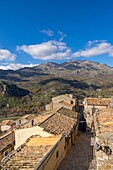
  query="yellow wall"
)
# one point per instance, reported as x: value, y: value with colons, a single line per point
x: 52, y: 162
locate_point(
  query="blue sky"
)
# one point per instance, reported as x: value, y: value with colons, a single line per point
x: 37, y: 31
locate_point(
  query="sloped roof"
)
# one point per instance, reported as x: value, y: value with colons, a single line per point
x: 58, y: 124
x: 104, y: 121
x: 68, y: 112
x: 41, y: 118
x: 99, y: 101
x: 7, y: 122
x: 29, y: 116
x: 31, y: 153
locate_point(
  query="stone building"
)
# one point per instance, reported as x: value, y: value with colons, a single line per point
x: 66, y: 100
x: 103, y: 129
x: 25, y: 120
x: 92, y: 104
x: 98, y: 103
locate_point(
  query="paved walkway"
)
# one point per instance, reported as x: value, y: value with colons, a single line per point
x: 79, y: 156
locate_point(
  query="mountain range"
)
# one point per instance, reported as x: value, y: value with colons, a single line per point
x: 80, y: 77
x: 76, y: 68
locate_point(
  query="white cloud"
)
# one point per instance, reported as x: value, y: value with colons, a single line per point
x: 16, y: 66
x: 7, y: 55
x: 62, y: 35
x: 95, y: 48
x: 47, y: 50
x: 48, y: 32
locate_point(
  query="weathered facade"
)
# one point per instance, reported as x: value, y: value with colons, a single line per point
x: 97, y: 103
x: 91, y: 105
x: 103, y: 129
x: 67, y: 101
x: 7, y: 143
x: 25, y: 120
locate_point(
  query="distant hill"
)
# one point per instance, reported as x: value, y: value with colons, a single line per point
x: 10, y: 89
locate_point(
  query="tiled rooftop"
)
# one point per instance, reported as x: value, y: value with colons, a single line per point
x: 41, y: 118
x: 68, y: 112
x: 99, y: 101
x: 30, y: 155
x: 58, y: 124
x: 104, y: 120
x: 7, y: 122
x: 29, y: 116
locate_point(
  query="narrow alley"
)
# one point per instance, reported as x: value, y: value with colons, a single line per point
x: 80, y: 155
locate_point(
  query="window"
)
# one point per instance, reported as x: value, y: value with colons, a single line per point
x: 32, y: 122
x: 19, y: 122
x: 57, y: 154
x: 71, y: 102
x: 14, y: 142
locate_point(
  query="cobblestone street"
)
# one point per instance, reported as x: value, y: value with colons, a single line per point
x: 79, y: 156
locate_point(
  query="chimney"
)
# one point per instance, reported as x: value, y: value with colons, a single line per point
x: 71, y: 95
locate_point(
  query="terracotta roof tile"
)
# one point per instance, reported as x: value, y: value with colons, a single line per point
x: 58, y: 124
x: 31, y: 153
x: 99, y: 101
x: 7, y: 122
x: 67, y: 104
x: 68, y: 112
x: 104, y: 120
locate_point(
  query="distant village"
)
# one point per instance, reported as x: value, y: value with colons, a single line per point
x: 43, y: 142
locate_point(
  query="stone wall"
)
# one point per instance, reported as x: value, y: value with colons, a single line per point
x: 6, y: 144
x: 104, y: 161
x: 49, y: 106
x: 65, y: 98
